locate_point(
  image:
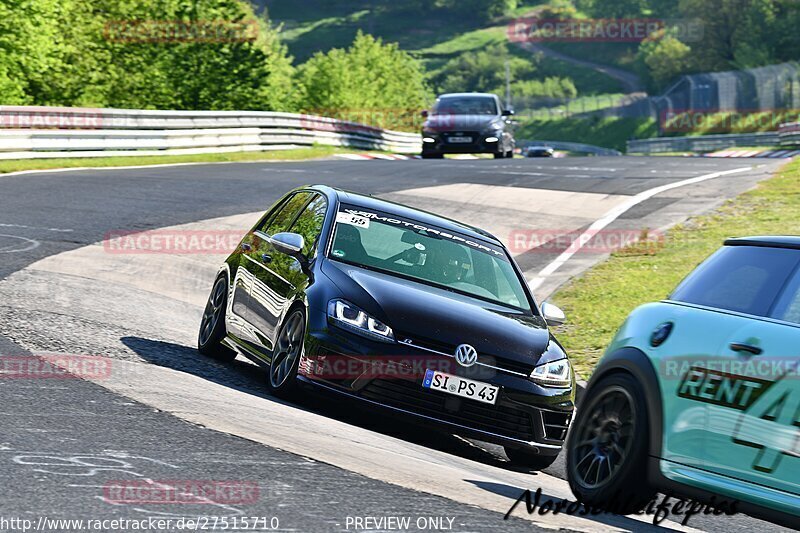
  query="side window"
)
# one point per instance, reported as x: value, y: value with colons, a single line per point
x: 746, y: 279
x: 286, y: 214
x: 309, y: 223
x: 788, y: 306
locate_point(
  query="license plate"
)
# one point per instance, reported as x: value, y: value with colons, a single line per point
x: 458, y: 386
x: 465, y: 140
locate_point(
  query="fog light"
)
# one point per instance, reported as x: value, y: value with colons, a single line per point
x: 428, y: 140
x: 491, y: 139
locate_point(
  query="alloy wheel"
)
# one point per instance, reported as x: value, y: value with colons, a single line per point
x: 603, y: 443
x: 287, y: 349
x: 213, y: 311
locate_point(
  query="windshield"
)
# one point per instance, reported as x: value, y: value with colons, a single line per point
x: 429, y: 255
x: 466, y: 105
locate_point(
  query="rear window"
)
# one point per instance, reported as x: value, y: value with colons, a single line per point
x: 745, y: 279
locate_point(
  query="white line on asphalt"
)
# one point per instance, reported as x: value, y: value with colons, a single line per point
x: 28, y: 244
x: 615, y: 213
x: 35, y: 227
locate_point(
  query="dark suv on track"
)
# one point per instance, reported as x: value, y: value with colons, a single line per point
x: 467, y: 123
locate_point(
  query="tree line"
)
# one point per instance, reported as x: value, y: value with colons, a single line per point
x: 205, y: 54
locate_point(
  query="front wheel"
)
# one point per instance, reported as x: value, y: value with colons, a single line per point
x: 212, y: 325
x: 527, y: 459
x: 282, y: 380
x: 607, y: 449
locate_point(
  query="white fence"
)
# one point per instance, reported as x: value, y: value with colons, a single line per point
x: 789, y: 134
x: 30, y: 132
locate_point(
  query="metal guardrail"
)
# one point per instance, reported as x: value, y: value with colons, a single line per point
x: 789, y: 134
x: 30, y: 132
x: 701, y: 143
x: 570, y: 147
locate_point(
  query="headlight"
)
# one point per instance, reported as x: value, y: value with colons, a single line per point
x: 350, y: 317
x: 553, y: 374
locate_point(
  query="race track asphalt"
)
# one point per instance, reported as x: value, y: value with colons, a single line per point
x: 64, y: 440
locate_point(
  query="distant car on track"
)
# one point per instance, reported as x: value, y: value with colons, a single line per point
x: 699, y: 395
x: 398, y: 308
x: 467, y: 123
x: 539, y: 151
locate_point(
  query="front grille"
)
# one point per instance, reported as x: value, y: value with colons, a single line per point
x: 555, y: 425
x: 409, y: 395
x: 485, y: 359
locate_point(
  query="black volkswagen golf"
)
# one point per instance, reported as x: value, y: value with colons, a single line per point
x: 420, y: 315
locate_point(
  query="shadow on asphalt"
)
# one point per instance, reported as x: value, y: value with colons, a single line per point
x: 249, y: 378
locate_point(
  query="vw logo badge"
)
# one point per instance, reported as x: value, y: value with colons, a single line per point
x: 466, y: 355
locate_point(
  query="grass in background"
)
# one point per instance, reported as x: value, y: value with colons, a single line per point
x: 606, y: 132
x: 15, y: 165
x: 597, y: 302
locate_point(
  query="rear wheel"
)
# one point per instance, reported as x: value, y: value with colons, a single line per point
x: 282, y: 379
x: 432, y: 156
x: 607, y: 450
x: 528, y: 459
x: 212, y: 325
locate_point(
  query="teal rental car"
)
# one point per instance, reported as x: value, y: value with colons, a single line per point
x: 699, y: 395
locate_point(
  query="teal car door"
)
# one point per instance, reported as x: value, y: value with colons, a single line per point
x: 749, y: 390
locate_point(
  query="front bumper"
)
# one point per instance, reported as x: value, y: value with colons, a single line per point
x: 525, y: 415
x: 441, y: 145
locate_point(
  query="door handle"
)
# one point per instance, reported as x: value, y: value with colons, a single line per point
x: 266, y: 258
x: 246, y: 247
x: 741, y: 347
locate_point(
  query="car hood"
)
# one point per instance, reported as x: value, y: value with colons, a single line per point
x: 459, y: 122
x: 422, y: 313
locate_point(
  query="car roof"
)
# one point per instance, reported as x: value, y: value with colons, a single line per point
x: 768, y: 241
x: 404, y: 211
x: 447, y: 95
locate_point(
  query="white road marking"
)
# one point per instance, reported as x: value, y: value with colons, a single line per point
x: 30, y: 244
x: 35, y: 227
x: 615, y: 213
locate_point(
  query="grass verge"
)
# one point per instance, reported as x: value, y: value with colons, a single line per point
x: 597, y: 302
x: 14, y: 165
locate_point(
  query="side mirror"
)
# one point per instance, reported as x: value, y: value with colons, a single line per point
x: 508, y: 112
x: 288, y: 243
x: 553, y: 315
x: 424, y: 113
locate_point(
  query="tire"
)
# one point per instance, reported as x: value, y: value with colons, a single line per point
x: 501, y: 155
x: 432, y: 156
x: 528, y: 459
x: 282, y: 376
x: 212, y: 325
x: 611, y: 432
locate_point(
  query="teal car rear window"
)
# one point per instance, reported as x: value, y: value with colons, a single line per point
x: 745, y: 279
